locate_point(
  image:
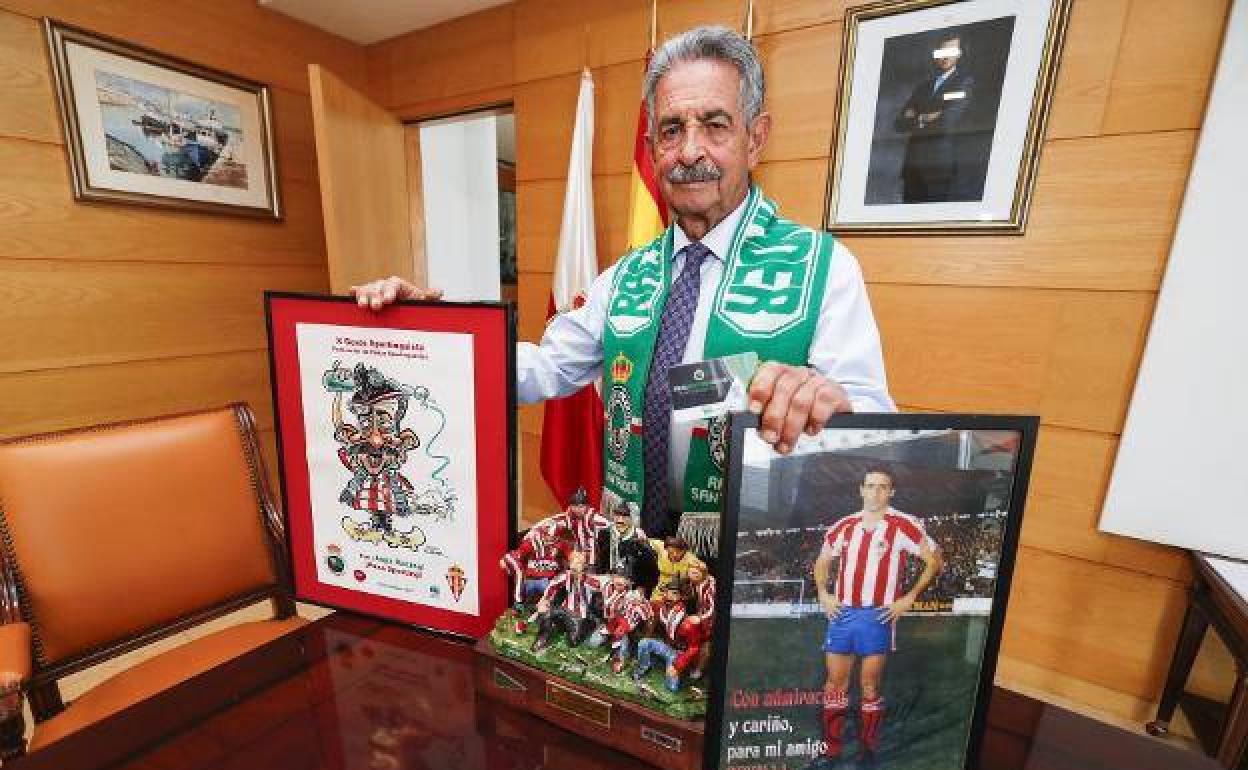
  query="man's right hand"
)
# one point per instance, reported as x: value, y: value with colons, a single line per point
x: 378, y: 294
x: 830, y: 605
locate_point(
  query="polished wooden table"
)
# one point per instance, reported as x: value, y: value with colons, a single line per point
x: 348, y: 692
x: 1222, y: 730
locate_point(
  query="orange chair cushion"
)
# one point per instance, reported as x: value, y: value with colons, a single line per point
x: 168, y: 505
x: 159, y: 673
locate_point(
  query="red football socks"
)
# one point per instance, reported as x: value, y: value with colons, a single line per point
x: 835, y: 706
x: 872, y: 721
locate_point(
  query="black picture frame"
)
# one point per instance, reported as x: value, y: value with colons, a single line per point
x: 718, y: 710
x: 493, y: 326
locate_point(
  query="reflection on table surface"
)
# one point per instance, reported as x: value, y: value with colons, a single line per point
x: 351, y: 693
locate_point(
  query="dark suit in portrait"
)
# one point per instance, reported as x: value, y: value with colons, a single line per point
x: 932, y: 117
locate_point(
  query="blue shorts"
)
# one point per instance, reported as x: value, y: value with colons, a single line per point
x: 858, y: 631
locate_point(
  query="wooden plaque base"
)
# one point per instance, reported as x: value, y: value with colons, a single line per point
x: 668, y: 743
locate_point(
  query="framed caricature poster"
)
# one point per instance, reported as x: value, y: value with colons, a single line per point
x: 942, y: 110
x: 395, y: 432
x: 863, y: 582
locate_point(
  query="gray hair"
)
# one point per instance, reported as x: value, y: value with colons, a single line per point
x: 715, y: 43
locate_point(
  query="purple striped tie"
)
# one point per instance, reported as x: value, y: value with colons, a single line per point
x: 669, y: 348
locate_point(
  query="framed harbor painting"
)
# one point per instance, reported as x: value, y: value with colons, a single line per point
x: 942, y: 110
x: 396, y: 448
x: 863, y: 586
x: 145, y: 128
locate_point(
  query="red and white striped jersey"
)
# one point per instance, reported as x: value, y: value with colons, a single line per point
x: 870, y: 562
x: 573, y: 592
x: 613, y: 598
x: 536, y: 558
x: 584, y: 529
x: 670, y: 617
x: 704, y: 596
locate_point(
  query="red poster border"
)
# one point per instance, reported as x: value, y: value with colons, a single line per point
x: 492, y: 326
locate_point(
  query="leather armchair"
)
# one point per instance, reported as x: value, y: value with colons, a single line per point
x: 116, y: 536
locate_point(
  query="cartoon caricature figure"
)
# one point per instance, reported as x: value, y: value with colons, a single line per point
x: 374, y: 450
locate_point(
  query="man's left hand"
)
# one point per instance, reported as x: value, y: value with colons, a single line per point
x: 793, y: 400
x: 896, y: 609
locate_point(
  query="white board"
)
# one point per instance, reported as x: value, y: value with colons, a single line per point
x: 1181, y: 476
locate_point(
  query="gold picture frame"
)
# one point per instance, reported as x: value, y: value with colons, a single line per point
x: 145, y: 128
x: 941, y: 176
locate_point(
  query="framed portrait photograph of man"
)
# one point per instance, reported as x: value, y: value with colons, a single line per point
x: 941, y: 115
x: 863, y: 583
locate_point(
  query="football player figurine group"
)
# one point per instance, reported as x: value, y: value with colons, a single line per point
x: 603, y: 583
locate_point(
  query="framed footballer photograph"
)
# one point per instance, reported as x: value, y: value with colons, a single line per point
x: 863, y: 586
x: 146, y: 128
x: 395, y: 434
x: 941, y: 114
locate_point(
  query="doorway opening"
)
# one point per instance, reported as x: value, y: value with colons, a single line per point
x: 467, y: 202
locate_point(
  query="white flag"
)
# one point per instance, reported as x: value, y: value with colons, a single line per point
x: 576, y: 263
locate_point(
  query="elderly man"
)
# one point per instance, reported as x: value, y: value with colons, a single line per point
x: 728, y: 276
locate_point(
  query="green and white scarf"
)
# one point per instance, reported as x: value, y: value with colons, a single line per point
x: 767, y: 301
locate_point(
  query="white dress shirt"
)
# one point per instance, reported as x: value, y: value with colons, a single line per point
x: 845, y: 347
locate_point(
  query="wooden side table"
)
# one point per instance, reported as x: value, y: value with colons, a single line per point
x: 1222, y: 731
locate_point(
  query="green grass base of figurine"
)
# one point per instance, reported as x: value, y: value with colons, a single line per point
x: 591, y: 667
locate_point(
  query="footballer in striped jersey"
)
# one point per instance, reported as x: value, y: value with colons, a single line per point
x: 859, y: 575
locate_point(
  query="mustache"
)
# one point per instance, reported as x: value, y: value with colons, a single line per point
x: 702, y: 171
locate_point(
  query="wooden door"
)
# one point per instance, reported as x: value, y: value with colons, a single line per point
x: 362, y: 153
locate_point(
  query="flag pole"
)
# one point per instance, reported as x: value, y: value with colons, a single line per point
x: 654, y: 23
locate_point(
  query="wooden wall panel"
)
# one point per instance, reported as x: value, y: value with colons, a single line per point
x: 296, y: 143
x: 1068, y: 356
x: 676, y: 16
x: 557, y: 38
x: 453, y: 104
x: 791, y: 184
x: 40, y: 220
x: 29, y: 107
x: 1107, y: 626
x: 534, y: 297
x: 1083, y: 233
x: 414, y: 67
x: 611, y: 203
x: 1165, y: 66
x: 539, y: 207
x: 780, y: 15
x: 537, y: 500
x: 617, y: 96
x: 803, y: 107
x: 236, y: 36
x: 57, y: 314
x: 91, y: 395
x: 1087, y: 68
x: 544, y: 110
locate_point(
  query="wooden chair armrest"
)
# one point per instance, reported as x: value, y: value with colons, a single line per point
x: 14, y: 652
x: 15, y: 665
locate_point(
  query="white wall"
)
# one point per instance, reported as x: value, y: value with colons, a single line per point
x: 1181, y: 476
x: 459, y: 174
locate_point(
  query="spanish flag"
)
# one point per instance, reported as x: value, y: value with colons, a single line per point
x: 647, y: 213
